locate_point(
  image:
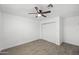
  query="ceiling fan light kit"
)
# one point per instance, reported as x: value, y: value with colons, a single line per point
x: 39, y: 15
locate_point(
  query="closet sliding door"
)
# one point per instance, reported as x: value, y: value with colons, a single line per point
x: 51, y: 31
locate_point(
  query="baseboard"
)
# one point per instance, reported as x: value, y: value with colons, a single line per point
x: 17, y: 45
x: 59, y: 43
x: 71, y: 43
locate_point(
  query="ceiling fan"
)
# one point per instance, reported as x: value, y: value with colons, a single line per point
x: 40, y: 12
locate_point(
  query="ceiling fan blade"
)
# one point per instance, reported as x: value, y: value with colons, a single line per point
x: 32, y: 13
x: 43, y: 15
x: 46, y: 12
x: 40, y: 11
x: 50, y: 5
x: 37, y: 9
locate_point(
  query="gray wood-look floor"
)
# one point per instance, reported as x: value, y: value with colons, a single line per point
x: 42, y: 47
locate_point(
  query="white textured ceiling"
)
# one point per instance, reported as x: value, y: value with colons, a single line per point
x: 63, y: 10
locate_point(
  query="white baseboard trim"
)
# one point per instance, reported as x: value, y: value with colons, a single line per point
x: 71, y: 43
x: 17, y: 44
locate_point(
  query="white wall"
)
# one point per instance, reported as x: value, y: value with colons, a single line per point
x: 19, y: 30
x: 0, y: 25
x: 71, y: 30
x: 0, y: 29
x: 1, y: 32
